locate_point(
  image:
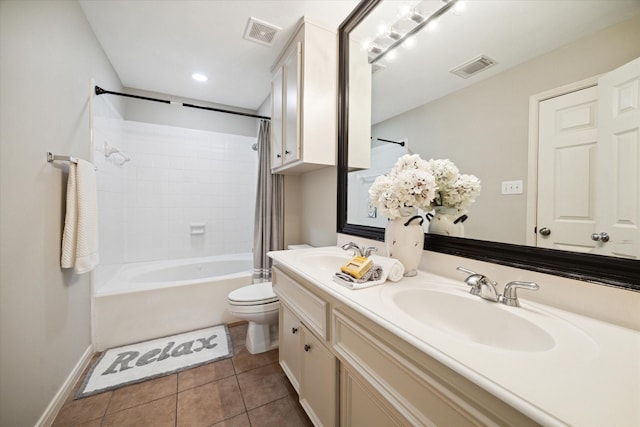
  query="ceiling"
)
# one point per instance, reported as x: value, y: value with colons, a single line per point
x: 155, y: 45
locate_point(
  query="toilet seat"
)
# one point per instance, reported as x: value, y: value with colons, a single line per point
x: 258, y: 294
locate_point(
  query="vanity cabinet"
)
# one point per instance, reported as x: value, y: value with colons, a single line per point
x: 304, y: 352
x: 304, y: 101
x: 351, y: 371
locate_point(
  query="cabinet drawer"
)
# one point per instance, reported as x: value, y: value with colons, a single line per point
x: 419, y: 397
x: 312, y: 310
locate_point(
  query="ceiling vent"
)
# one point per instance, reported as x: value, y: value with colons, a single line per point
x: 261, y: 32
x: 474, y: 66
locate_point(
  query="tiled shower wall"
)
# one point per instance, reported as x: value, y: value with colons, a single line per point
x: 185, y: 193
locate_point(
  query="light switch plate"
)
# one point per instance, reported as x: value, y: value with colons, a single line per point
x: 512, y: 187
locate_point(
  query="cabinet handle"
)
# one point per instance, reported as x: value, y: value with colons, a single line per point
x: 307, y: 347
x: 294, y: 330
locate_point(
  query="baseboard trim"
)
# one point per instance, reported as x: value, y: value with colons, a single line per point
x: 50, y: 414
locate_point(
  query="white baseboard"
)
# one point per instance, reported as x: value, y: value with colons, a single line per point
x: 50, y: 414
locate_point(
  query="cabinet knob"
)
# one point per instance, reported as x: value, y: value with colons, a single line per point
x: 307, y: 347
x: 278, y: 155
x: 287, y: 152
x: 294, y: 330
x: 545, y: 231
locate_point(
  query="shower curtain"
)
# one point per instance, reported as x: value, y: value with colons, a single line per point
x: 268, y: 234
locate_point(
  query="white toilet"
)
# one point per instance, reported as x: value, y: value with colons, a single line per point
x: 258, y: 305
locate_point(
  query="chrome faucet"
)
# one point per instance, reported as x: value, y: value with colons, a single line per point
x: 510, y: 296
x: 357, y: 250
x: 480, y: 285
x: 485, y: 288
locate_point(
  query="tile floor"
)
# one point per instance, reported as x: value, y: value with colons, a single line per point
x: 243, y: 391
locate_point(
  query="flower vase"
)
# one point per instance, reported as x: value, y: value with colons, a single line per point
x: 447, y: 221
x: 404, y: 239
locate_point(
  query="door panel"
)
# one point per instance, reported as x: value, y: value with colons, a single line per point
x: 619, y: 189
x: 568, y: 148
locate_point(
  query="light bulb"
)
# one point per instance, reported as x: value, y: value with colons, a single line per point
x: 199, y: 77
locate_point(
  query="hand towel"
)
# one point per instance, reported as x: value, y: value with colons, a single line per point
x: 392, y: 269
x: 80, y: 236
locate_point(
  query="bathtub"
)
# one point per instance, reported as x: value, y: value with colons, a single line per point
x: 140, y: 301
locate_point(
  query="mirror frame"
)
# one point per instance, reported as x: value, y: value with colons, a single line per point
x: 618, y: 272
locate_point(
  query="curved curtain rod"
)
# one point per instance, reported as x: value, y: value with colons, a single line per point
x: 100, y: 91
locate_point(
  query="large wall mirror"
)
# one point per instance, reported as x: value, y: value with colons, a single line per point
x: 529, y: 54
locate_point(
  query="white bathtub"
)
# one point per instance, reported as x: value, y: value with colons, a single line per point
x: 140, y: 301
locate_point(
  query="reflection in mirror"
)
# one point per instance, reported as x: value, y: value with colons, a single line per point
x: 484, y: 123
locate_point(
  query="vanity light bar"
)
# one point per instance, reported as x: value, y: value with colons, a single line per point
x: 437, y: 14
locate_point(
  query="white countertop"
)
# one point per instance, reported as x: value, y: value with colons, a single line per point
x: 589, y: 377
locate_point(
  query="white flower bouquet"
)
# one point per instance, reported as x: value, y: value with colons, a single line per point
x: 417, y: 183
x: 409, y: 184
x: 454, y: 190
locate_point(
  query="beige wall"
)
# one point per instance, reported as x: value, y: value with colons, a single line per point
x: 192, y: 118
x: 49, y: 54
x: 484, y: 128
x: 318, y: 207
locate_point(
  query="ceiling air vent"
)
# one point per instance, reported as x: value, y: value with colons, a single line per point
x: 474, y: 66
x: 261, y: 32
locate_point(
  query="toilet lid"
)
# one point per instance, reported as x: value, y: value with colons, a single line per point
x: 260, y: 293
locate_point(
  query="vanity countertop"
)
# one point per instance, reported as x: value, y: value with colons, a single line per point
x: 588, y: 376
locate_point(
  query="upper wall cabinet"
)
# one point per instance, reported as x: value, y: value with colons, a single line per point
x: 304, y: 102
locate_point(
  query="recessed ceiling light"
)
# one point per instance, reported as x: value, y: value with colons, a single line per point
x: 199, y: 77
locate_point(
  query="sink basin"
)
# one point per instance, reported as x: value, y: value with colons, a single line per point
x: 326, y: 261
x: 472, y: 319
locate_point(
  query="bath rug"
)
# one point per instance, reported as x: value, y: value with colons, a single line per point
x: 134, y: 363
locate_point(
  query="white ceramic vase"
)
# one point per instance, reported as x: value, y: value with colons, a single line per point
x: 447, y: 221
x: 404, y: 239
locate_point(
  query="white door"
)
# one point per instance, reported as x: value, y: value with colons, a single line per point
x: 618, y: 211
x: 277, y: 109
x: 567, y: 149
x: 292, y: 100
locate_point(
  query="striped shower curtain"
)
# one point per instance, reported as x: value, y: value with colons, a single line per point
x: 268, y: 233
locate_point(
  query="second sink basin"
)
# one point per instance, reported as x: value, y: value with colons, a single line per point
x: 472, y: 319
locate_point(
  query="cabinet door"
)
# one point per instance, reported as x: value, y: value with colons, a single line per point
x: 292, y: 105
x: 277, y: 110
x: 318, y: 384
x: 290, y: 345
x: 361, y: 405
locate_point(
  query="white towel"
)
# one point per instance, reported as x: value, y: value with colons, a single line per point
x: 80, y: 237
x: 392, y: 269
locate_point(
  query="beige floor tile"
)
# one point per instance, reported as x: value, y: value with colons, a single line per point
x: 205, y: 374
x: 245, y: 361
x: 285, y: 412
x: 238, y: 333
x: 137, y: 394
x: 241, y: 420
x: 263, y: 385
x: 79, y: 411
x: 210, y: 403
x: 158, y: 413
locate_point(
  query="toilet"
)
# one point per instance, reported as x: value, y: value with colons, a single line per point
x: 258, y: 305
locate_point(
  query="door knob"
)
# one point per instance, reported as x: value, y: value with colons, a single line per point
x: 600, y: 237
x: 545, y: 231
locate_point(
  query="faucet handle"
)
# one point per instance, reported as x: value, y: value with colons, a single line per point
x: 369, y: 251
x: 466, y: 270
x: 510, y: 296
x: 474, y: 280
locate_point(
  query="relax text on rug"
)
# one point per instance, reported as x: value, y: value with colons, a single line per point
x: 134, y: 363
